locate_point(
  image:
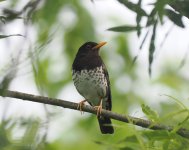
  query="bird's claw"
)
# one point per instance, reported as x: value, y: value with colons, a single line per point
x: 80, y: 105
x: 98, y: 110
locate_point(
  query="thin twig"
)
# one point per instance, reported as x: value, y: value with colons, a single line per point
x: 66, y: 104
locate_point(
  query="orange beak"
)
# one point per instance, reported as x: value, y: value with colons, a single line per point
x: 99, y: 45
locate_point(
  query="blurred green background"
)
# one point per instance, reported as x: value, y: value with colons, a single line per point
x: 39, y: 62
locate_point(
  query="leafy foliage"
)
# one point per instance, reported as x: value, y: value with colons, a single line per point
x: 155, y: 17
x: 28, y: 140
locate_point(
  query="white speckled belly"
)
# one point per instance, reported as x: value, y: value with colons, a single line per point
x: 91, y: 84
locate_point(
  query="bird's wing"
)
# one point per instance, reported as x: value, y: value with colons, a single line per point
x: 108, y: 90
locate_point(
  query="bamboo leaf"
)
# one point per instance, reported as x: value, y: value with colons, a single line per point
x: 124, y: 28
x: 151, y: 17
x: 6, y: 36
x: 159, y: 6
x: 152, y: 48
x: 175, y: 17
x: 138, y: 19
x: 144, y: 39
x: 134, y: 7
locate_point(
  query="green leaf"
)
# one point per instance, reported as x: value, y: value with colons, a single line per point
x: 151, y: 114
x: 159, y: 6
x: 166, y: 140
x: 124, y: 28
x: 144, y: 39
x: 175, y: 17
x: 157, y: 135
x: 130, y: 143
x: 4, y: 84
x: 132, y: 138
x: 180, y: 6
x: 151, y: 18
x: 134, y: 7
x: 6, y: 36
x: 152, y: 48
x: 138, y: 19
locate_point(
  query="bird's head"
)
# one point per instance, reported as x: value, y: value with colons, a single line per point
x: 90, y: 48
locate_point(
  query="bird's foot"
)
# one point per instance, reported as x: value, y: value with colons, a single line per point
x: 98, y: 109
x: 80, y: 105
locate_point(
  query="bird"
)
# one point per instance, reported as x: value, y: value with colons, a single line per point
x: 91, y: 80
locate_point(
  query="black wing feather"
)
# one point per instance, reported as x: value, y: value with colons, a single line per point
x: 105, y: 122
x: 108, y: 93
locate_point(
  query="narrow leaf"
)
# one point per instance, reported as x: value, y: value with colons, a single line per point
x: 134, y: 7
x: 138, y: 19
x: 6, y: 36
x: 151, y: 114
x: 180, y: 6
x: 159, y: 6
x: 124, y: 28
x: 144, y: 39
x: 151, y: 17
x: 4, y: 84
x: 152, y: 48
x: 175, y: 17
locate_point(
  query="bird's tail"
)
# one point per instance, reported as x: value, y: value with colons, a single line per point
x: 105, y: 125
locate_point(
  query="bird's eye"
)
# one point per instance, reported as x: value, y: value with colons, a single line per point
x: 88, y: 46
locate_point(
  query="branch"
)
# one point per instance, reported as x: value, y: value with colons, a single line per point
x: 86, y: 108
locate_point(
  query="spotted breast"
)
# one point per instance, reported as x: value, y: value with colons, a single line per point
x: 92, y: 84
